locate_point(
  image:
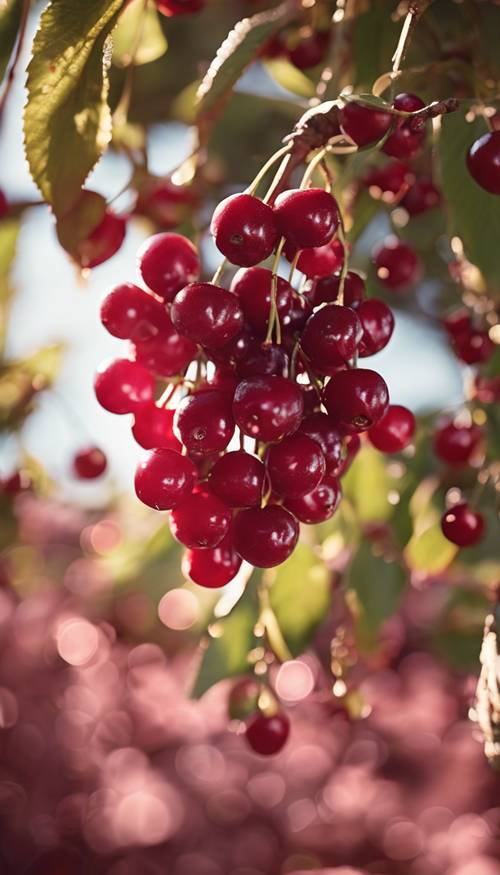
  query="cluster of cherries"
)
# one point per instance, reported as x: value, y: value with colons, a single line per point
x: 277, y: 365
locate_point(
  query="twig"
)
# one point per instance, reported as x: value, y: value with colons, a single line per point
x: 19, y: 48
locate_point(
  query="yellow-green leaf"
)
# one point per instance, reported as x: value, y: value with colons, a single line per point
x: 9, y: 232
x: 299, y: 595
x: 367, y: 485
x: 429, y: 551
x: 138, y: 37
x: 285, y: 74
x: 10, y: 17
x: 378, y: 585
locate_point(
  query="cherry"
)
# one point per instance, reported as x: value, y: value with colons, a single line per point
x: 472, y: 346
x: 310, y: 50
x: 483, y: 161
x: 455, y: 444
x: 268, y: 408
x: 235, y: 350
x: 167, y: 262
x: 312, y: 399
x: 265, y: 536
x: 408, y: 102
x: 243, y: 698
x: 253, y: 289
x: 153, y: 428
x: 201, y: 521
x: 19, y: 481
x: 326, y: 291
x: 356, y: 399
x: 262, y: 360
x: 123, y: 386
x: 306, y: 217
x: 295, y: 466
x: 398, y: 265
x: 318, y: 261
x: 364, y: 124
x: 463, y: 526
x: 104, y: 241
x: 212, y: 568
x: 321, y: 429
x: 244, y: 229
x: 394, y: 431
x: 487, y: 389
x: 165, y: 356
x: 224, y: 380
x: 89, y: 463
x: 179, y: 7
x: 297, y: 317
x: 377, y: 321
x: 318, y: 505
x: 267, y: 735
x: 4, y: 204
x: 166, y: 204
x: 330, y: 337
x: 421, y: 196
x: 207, y: 314
x: 390, y: 181
x: 404, y: 142
x: 238, y: 479
x: 164, y: 479
x: 457, y: 321
x: 132, y: 314
x: 204, y: 421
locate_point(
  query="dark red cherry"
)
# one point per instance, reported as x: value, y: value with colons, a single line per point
x: 455, y: 444
x: 312, y: 399
x: 164, y: 203
x: 244, y: 229
x: 321, y: 429
x: 265, y: 536
x: 252, y: 286
x: 103, y: 242
x: 154, y: 428
x: 318, y: 505
x: 130, y: 313
x: 297, y: 317
x: 16, y: 483
x: 377, y: 321
x: 123, y: 386
x: 394, y: 431
x: 179, y: 7
x: 462, y: 525
x: 311, y: 48
x: 306, y: 217
x: 364, y: 124
x: 235, y: 350
x: 295, y: 465
x: 390, y: 182
x: 204, y: 421
x: 201, y: 521
x: 487, y: 389
x: 268, y: 408
x: 243, y: 698
x: 238, y: 479
x: 457, y: 321
x: 472, y: 346
x: 89, y: 463
x: 164, y: 479
x: 262, y: 360
x: 397, y: 264
x: 207, y: 314
x: 319, y: 261
x: 4, y: 204
x: 167, y: 262
x: 330, y: 337
x: 212, y: 568
x: 421, y: 196
x: 166, y: 355
x: 267, y: 735
x: 356, y: 399
x: 406, y: 102
x: 326, y: 291
x: 483, y: 161
x: 404, y: 142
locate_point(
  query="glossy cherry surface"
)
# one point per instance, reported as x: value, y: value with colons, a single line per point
x: 295, y: 465
x: 207, y: 314
x: 377, y: 321
x: 166, y: 355
x: 266, y: 536
x: 253, y: 287
x: 318, y: 505
x: 306, y: 217
x: 130, y: 313
x: 204, y: 421
x: 394, y: 431
x: 89, y: 463
x: 356, y: 399
x: 267, y: 735
x: 201, y: 521
x: 212, y: 568
x: 364, y: 124
x: 244, y: 229
x: 238, y: 479
x: 268, y: 408
x: 326, y: 291
x: 154, y: 428
x: 122, y: 386
x: 167, y: 262
x: 462, y: 525
x: 483, y: 161
x: 164, y: 479
x: 330, y: 337
x: 326, y: 433
x: 454, y: 443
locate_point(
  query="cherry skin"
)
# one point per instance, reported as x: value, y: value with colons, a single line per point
x: 463, y: 526
x: 330, y: 337
x: 318, y: 261
x: 244, y: 229
x: 397, y: 264
x: 123, y: 386
x: 364, y: 124
x: 164, y: 479
x: 204, y: 422
x: 267, y: 735
x: 103, y: 242
x: 321, y: 429
x: 4, y: 204
x: 167, y: 262
x: 207, y: 314
x: 377, y: 321
x: 472, y: 346
x: 201, y: 521
x: 326, y: 291
x: 179, y: 7
x: 306, y: 217
x: 154, y: 428
x: 421, y: 196
x: 235, y: 350
x: 130, y: 313
x: 268, y: 408
x: 403, y: 142
x: 167, y: 355
x: 212, y: 568
x: 253, y: 288
x: 262, y: 360
x: 89, y: 463
x: 394, y: 431
x: 388, y: 183
x: 310, y: 50
x: 455, y: 444
x: 356, y: 399
x: 457, y: 321
x: 166, y: 204
x: 295, y: 466
x: 487, y: 389
x: 237, y: 478
x: 483, y: 161
x: 318, y: 505
x: 265, y: 536
x: 18, y: 482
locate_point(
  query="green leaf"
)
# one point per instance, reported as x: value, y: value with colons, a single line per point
x: 9, y: 232
x: 299, y: 595
x: 20, y: 382
x: 473, y: 214
x: 374, y: 40
x: 429, y: 551
x: 138, y: 37
x: 227, y: 654
x: 10, y: 17
x: 378, y: 585
x: 367, y: 485
x: 238, y: 50
x: 67, y: 121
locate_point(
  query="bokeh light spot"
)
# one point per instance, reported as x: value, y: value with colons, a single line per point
x: 295, y: 681
x: 77, y: 641
x: 178, y: 609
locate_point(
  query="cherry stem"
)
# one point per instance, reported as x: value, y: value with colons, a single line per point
x: 219, y: 272
x: 293, y: 266
x: 19, y: 48
x: 268, y: 619
x: 274, y: 319
x: 345, y: 263
x: 252, y: 188
x: 311, y: 167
